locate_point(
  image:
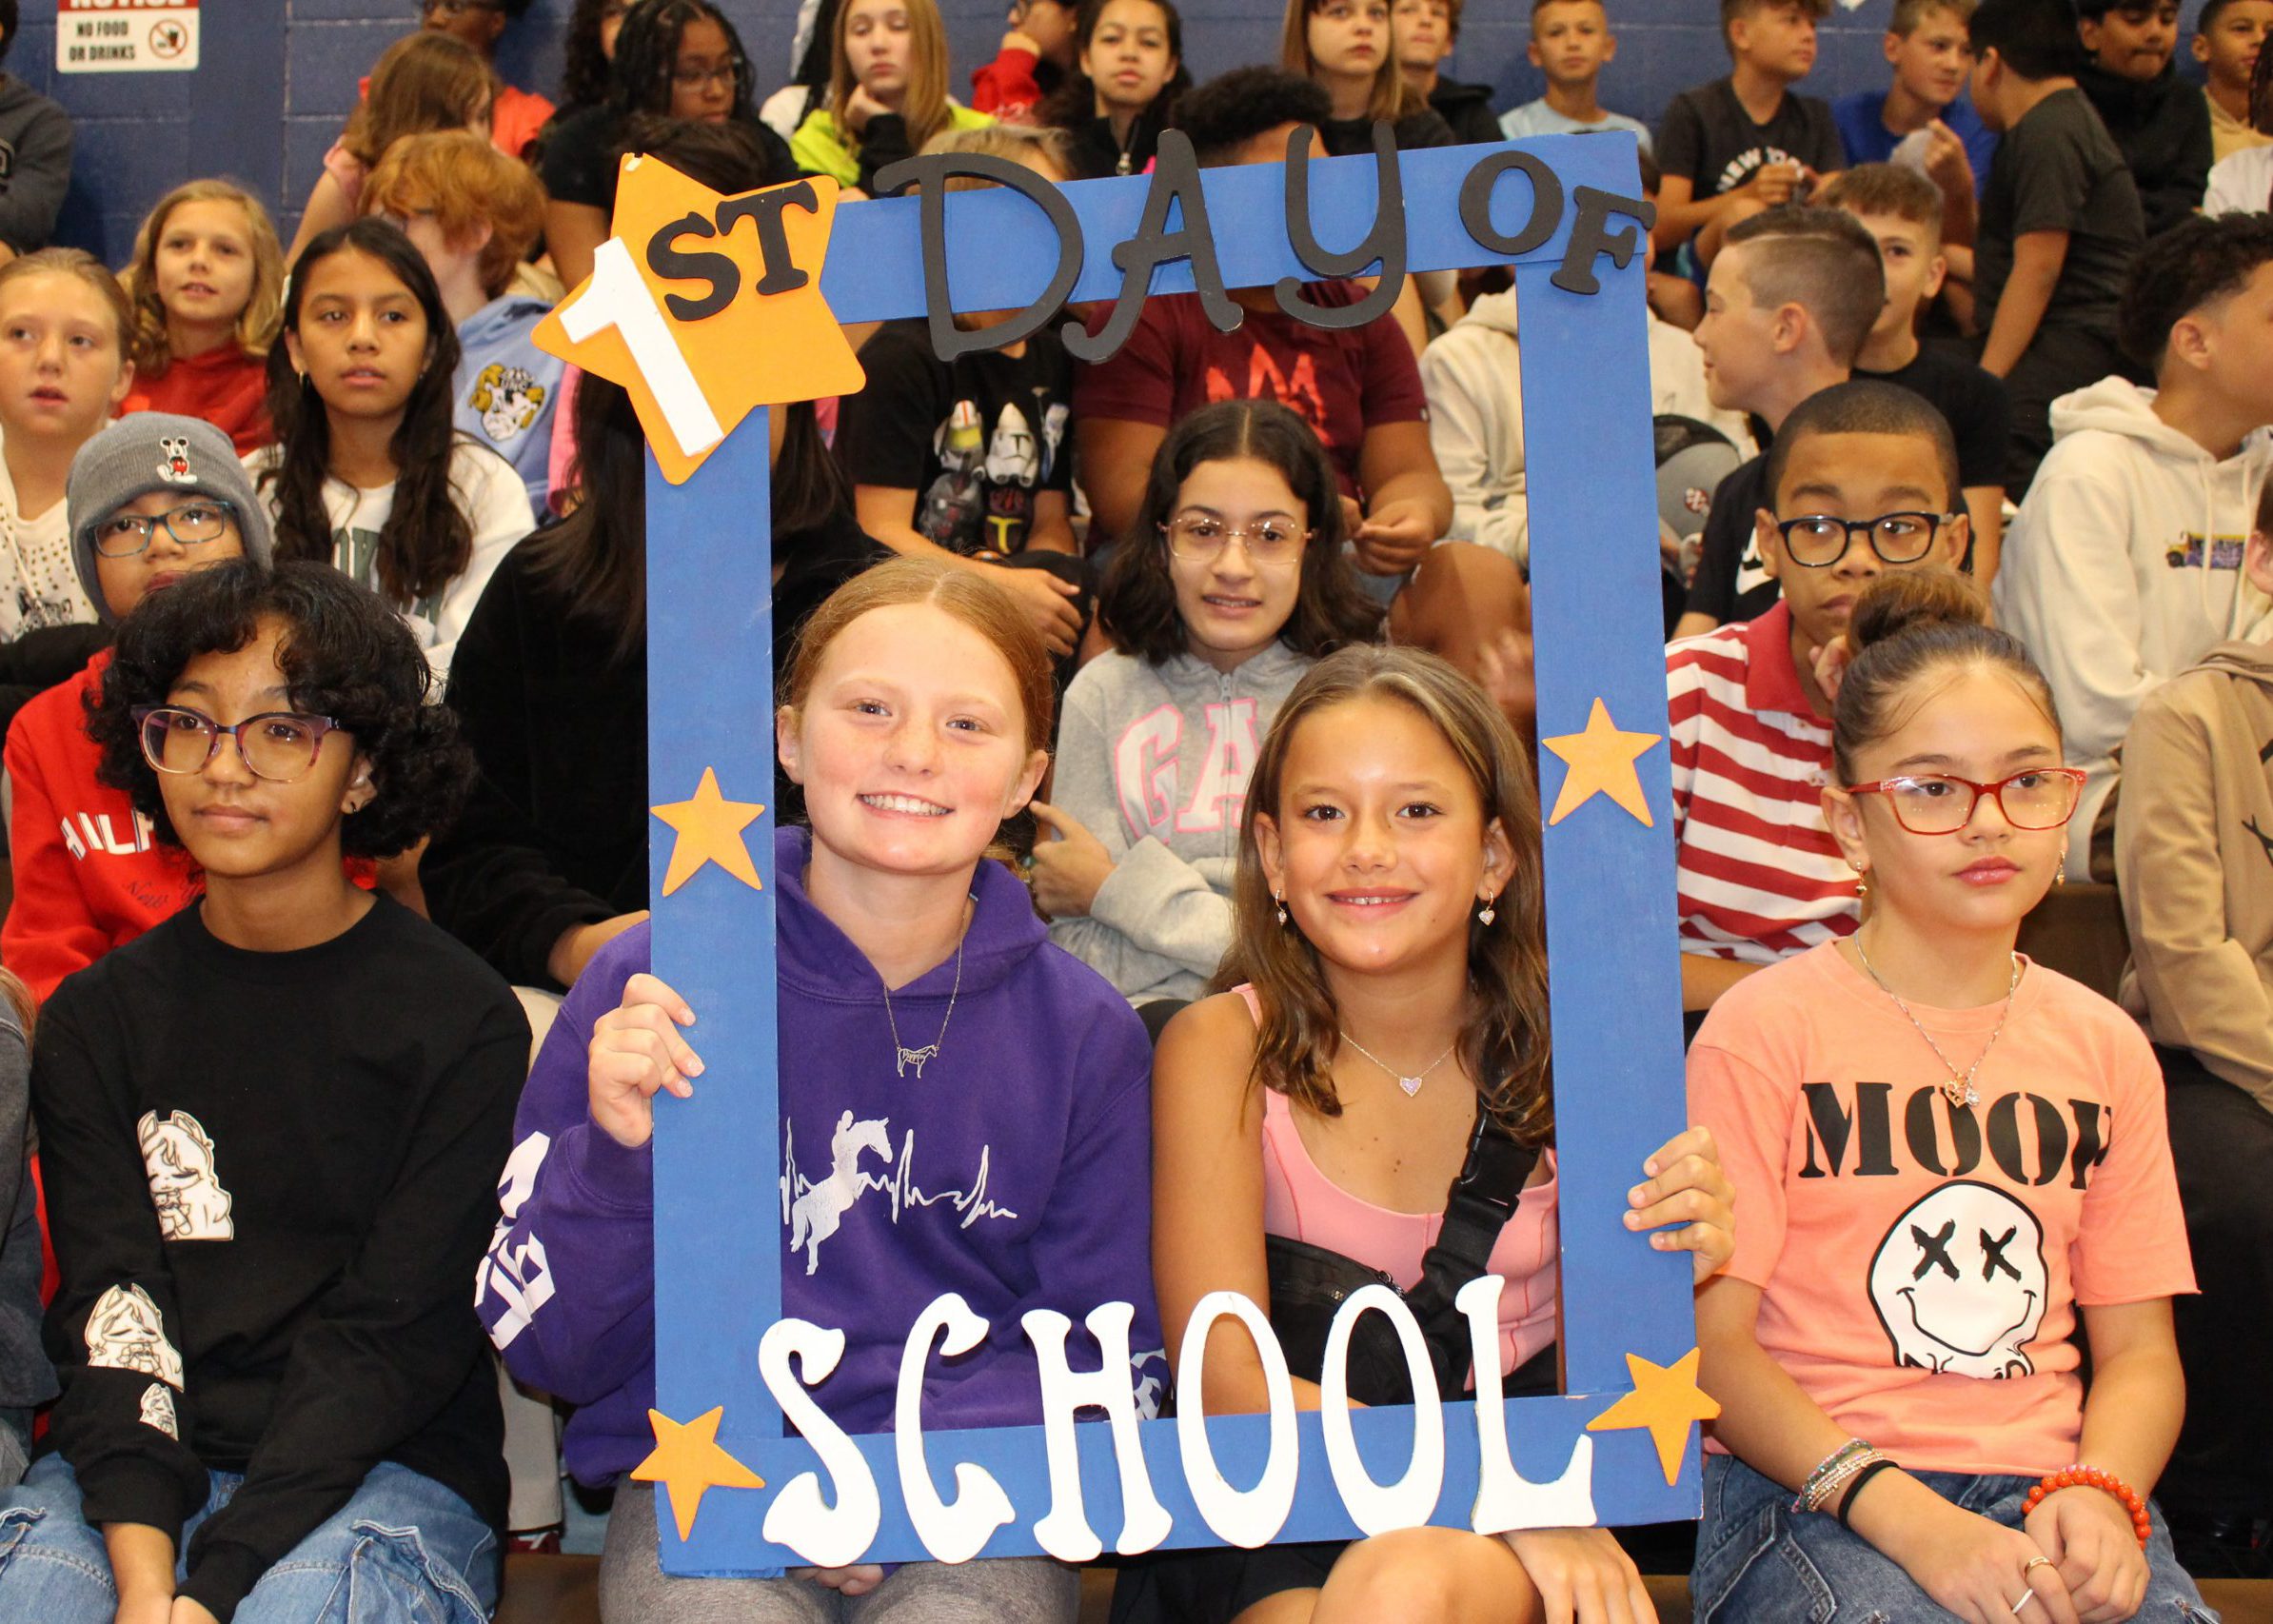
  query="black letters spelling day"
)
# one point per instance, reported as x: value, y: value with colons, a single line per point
x: 1175, y: 185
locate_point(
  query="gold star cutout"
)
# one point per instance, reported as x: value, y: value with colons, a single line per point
x: 687, y: 1462
x: 710, y: 830
x: 1601, y: 761
x: 680, y: 245
x: 1666, y: 1398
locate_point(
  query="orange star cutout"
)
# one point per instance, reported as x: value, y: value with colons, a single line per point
x: 1666, y: 1399
x: 687, y: 1462
x: 710, y: 830
x: 760, y: 350
x: 1601, y: 761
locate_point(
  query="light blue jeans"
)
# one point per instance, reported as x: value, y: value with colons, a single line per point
x: 403, y: 1549
x: 1760, y: 1562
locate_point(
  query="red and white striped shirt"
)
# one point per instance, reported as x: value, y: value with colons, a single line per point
x: 1760, y: 876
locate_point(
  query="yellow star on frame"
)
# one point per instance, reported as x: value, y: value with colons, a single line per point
x: 710, y: 830
x: 687, y: 1462
x: 1666, y: 1398
x: 1601, y: 761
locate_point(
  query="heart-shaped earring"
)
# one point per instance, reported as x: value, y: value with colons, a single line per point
x: 1489, y: 912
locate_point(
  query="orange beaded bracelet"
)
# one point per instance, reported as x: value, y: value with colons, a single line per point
x: 2081, y: 1477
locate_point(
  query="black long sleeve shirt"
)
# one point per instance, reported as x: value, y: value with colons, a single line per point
x: 271, y: 1177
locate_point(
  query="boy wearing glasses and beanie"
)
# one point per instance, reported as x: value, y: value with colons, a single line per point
x: 2124, y: 566
x: 151, y: 498
x: 1864, y: 479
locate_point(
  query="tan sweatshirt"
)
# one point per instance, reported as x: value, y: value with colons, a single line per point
x: 2194, y: 858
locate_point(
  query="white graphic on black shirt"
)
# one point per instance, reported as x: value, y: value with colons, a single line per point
x: 178, y: 1154
x: 157, y: 1410
x: 815, y: 1209
x: 1011, y: 456
x: 1958, y: 1282
x: 123, y: 1332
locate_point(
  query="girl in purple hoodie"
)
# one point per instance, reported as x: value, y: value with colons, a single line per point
x: 986, y: 1093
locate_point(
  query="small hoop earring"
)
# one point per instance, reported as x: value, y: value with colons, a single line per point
x: 1282, y: 901
x: 1489, y: 912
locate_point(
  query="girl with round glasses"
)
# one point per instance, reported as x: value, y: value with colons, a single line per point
x: 270, y: 1130
x: 1946, y: 1155
x: 1231, y: 585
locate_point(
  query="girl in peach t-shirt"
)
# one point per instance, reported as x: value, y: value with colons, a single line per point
x: 1944, y: 1154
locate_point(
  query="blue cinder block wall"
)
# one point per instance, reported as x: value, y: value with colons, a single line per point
x: 278, y: 78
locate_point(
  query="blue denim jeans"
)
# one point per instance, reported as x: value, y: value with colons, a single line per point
x: 1760, y: 1562
x: 403, y: 1549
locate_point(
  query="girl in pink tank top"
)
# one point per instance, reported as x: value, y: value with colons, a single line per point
x: 1390, y: 972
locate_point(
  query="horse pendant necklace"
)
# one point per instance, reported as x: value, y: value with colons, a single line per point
x: 906, y: 1056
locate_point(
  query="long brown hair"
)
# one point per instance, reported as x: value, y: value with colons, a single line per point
x: 257, y: 323
x: 423, y: 81
x: 1392, y: 98
x: 1505, y: 1046
x: 986, y: 609
x: 925, y: 107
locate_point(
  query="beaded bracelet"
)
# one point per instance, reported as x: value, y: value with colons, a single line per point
x: 1825, y: 1481
x: 1883, y: 1463
x: 2081, y: 1477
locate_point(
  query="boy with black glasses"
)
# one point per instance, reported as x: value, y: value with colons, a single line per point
x: 2124, y: 566
x: 151, y: 498
x: 1863, y: 479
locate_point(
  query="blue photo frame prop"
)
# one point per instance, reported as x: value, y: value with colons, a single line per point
x: 1560, y: 211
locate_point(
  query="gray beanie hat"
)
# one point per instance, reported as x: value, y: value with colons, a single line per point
x: 154, y: 450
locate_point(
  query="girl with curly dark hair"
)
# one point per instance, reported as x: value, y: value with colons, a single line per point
x: 1129, y: 70
x: 270, y: 1132
x: 367, y: 470
x: 674, y: 59
x: 586, y: 50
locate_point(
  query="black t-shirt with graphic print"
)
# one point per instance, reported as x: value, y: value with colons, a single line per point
x: 269, y: 1176
x: 978, y: 439
x: 1707, y: 136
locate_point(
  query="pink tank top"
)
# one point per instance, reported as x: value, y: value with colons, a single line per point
x: 1301, y: 1204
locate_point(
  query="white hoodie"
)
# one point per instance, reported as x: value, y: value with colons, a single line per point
x: 2123, y: 567
x: 1476, y: 416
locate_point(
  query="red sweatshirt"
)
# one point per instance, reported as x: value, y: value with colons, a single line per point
x: 90, y: 874
x: 225, y: 386
x: 1007, y: 86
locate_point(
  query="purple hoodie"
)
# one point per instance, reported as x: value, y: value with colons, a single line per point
x: 1017, y: 1173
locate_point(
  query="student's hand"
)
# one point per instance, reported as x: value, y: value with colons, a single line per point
x: 1065, y: 873
x: 145, y: 1607
x: 1977, y: 1568
x: 1505, y: 670
x: 2089, y: 1533
x: 1394, y: 537
x: 1686, y: 1187
x: 636, y: 1049
x: 1582, y: 1576
x: 1773, y: 185
x: 1830, y: 664
x: 1947, y: 163
x: 188, y: 1612
x: 580, y: 943
x: 860, y: 107
x: 1018, y: 39
x: 858, y: 1580
x: 1048, y: 602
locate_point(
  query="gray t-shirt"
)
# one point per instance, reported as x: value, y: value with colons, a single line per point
x: 2059, y: 169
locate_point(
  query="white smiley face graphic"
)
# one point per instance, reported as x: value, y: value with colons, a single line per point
x: 1958, y: 1282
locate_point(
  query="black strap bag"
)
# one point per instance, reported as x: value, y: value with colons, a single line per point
x: 1309, y: 1285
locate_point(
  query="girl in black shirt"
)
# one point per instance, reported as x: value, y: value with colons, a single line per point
x: 1123, y: 94
x: 270, y: 1132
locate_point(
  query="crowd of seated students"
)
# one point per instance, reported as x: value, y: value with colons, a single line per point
x: 322, y: 668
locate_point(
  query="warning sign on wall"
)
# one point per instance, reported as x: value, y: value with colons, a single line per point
x: 125, y: 36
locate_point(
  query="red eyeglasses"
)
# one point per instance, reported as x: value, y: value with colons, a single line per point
x: 1938, y: 803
